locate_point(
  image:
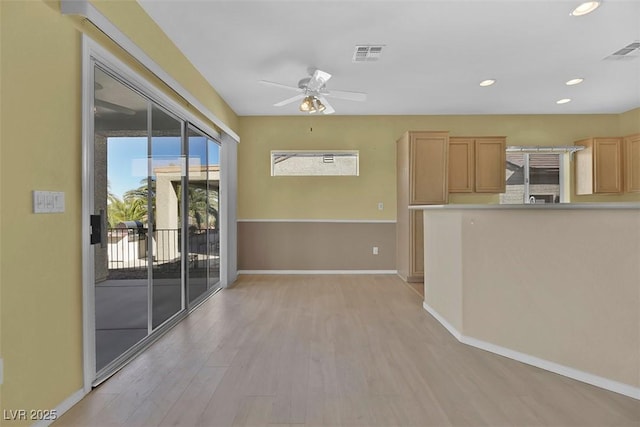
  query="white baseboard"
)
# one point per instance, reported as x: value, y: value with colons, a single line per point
x: 317, y: 272
x: 585, y: 377
x: 63, y: 407
x: 448, y: 326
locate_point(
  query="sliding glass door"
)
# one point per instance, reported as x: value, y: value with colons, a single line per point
x: 120, y: 223
x: 203, y: 237
x: 167, y: 170
x: 213, y: 198
x: 154, y: 226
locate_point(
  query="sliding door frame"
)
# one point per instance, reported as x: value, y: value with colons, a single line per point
x: 92, y: 54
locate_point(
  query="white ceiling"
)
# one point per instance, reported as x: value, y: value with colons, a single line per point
x: 436, y: 52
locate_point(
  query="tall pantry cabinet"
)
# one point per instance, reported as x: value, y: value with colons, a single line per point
x: 422, y: 169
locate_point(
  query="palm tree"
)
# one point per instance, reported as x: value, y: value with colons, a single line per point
x: 202, y: 204
x: 136, y: 200
x: 203, y: 207
x: 142, y: 192
x: 125, y: 210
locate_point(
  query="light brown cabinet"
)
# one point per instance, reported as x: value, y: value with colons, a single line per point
x: 427, y: 162
x: 422, y: 169
x: 462, y: 165
x: 599, y: 166
x: 477, y: 164
x: 632, y: 163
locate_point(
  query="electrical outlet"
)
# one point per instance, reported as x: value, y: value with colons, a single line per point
x: 380, y: 206
x: 375, y: 250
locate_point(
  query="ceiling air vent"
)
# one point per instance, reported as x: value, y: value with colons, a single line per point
x: 367, y: 53
x: 632, y: 50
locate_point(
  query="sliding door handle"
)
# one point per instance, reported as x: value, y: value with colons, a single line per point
x: 99, y: 229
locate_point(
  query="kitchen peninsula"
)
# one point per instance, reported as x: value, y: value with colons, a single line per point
x: 555, y: 286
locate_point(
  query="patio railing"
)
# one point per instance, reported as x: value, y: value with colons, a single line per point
x: 129, y: 248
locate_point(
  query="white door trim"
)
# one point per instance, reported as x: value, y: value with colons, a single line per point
x: 88, y: 272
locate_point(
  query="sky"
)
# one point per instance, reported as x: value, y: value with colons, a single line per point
x: 127, y: 158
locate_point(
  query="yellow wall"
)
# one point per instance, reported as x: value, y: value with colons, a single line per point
x: 1, y: 103
x: 261, y: 196
x: 41, y: 257
x: 40, y: 149
x: 630, y: 122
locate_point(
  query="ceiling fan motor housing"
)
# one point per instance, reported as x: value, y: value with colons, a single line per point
x: 304, y: 83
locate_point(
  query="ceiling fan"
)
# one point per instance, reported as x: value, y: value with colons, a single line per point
x: 313, y: 92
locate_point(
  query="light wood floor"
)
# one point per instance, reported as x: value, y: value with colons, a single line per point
x: 416, y: 287
x: 333, y: 351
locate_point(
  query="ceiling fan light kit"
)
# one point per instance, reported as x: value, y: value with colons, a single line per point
x: 311, y: 104
x: 306, y: 105
x: 313, y: 92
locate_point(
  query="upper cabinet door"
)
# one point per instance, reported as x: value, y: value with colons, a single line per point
x: 632, y: 164
x: 461, y: 165
x: 490, y: 165
x: 598, y: 166
x: 607, y: 165
x: 428, y: 168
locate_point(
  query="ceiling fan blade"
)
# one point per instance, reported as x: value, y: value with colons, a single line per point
x: 281, y: 86
x: 328, y: 108
x: 318, y: 80
x: 289, y: 100
x: 343, y: 94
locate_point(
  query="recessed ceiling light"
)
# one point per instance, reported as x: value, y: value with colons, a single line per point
x: 487, y: 82
x: 574, y: 82
x: 563, y: 101
x: 585, y: 8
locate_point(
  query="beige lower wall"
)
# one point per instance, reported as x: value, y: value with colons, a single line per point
x: 443, y: 241
x: 293, y: 245
x: 560, y: 285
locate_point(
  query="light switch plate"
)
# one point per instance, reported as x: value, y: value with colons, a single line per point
x: 48, y: 201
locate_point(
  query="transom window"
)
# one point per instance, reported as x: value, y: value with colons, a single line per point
x: 314, y: 163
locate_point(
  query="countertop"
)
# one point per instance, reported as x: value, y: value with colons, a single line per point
x: 538, y: 206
